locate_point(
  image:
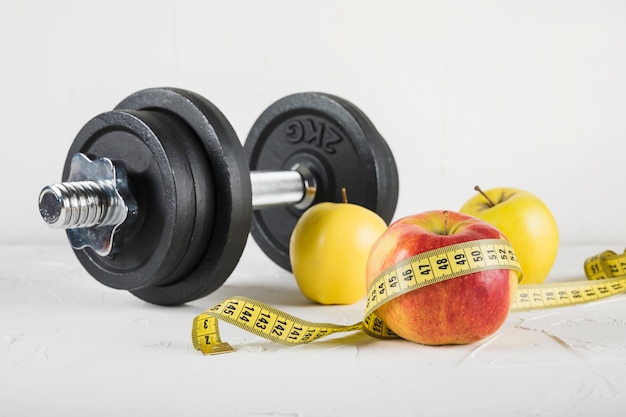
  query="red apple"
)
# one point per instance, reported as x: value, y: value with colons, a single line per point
x: 456, y: 311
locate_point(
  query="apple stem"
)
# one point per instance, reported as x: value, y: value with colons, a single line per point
x: 491, y: 203
x: 344, y: 195
x: 445, y: 222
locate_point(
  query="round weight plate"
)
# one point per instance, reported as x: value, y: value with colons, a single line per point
x: 161, y: 181
x: 337, y: 143
x: 232, y: 204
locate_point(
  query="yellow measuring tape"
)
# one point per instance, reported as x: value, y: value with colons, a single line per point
x: 607, y: 272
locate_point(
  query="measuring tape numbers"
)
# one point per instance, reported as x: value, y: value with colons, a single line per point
x: 606, y: 275
x: 258, y: 318
x: 411, y: 274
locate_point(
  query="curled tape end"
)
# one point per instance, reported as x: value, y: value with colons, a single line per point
x: 216, y: 349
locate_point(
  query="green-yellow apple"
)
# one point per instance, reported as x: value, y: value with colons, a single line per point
x: 328, y: 251
x: 456, y: 311
x: 526, y: 221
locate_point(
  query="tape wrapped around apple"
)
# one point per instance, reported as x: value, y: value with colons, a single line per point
x: 457, y: 311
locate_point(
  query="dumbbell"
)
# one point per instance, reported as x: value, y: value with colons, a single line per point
x: 158, y: 196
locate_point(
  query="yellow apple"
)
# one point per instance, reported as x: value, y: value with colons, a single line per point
x: 329, y: 248
x: 526, y: 221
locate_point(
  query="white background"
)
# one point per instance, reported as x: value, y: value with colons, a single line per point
x: 529, y: 94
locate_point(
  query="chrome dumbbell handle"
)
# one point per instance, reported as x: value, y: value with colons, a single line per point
x: 96, y: 199
x: 296, y: 187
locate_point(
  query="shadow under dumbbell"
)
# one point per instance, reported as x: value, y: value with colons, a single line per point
x: 274, y: 295
x: 263, y: 281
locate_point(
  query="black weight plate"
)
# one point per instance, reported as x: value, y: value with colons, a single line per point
x: 338, y: 143
x: 162, y: 183
x: 232, y: 204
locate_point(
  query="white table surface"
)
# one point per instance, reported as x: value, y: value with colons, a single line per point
x: 71, y: 346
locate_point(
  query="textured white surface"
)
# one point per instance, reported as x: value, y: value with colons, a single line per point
x: 70, y: 346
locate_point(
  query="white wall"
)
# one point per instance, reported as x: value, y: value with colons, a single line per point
x: 530, y: 94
